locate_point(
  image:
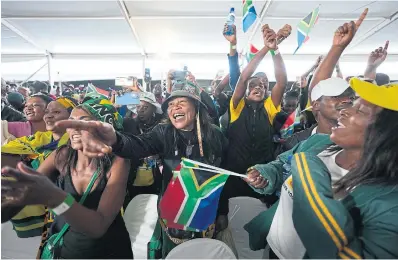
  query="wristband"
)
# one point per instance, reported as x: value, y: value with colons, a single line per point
x: 233, y: 47
x: 64, y: 206
x: 274, y: 52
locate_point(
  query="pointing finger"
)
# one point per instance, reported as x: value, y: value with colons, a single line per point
x: 386, y: 45
x: 78, y: 124
x: 361, y: 18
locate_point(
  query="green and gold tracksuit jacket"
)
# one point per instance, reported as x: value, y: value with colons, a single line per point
x: 364, y: 224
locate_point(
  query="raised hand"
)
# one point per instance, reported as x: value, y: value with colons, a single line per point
x: 269, y: 37
x: 283, y: 33
x: 345, y: 33
x: 378, y: 56
x: 97, y: 137
x: 230, y: 38
x: 24, y: 186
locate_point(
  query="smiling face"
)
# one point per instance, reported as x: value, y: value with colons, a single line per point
x: 257, y: 89
x: 329, y: 107
x: 34, y: 109
x: 290, y: 105
x: 55, y: 112
x: 352, y: 124
x: 182, y: 112
x: 75, y: 134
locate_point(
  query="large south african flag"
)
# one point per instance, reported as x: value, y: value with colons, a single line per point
x: 191, y: 198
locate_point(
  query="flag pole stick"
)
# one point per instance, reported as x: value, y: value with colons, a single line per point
x: 205, y: 165
x: 214, y: 169
x: 221, y: 172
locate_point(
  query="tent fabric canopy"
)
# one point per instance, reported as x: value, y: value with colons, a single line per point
x: 166, y: 34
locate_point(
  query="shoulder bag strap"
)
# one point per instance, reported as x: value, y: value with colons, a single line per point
x: 85, y: 194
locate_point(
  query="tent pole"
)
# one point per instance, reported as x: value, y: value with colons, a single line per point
x: 144, y: 85
x: 34, y: 73
x: 50, y: 76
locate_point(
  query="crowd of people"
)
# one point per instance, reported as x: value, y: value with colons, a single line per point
x: 321, y: 154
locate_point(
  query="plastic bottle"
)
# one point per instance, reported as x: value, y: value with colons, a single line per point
x: 230, y: 22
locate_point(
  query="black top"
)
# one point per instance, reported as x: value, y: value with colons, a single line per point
x: 171, y: 145
x: 250, y: 133
x: 294, y: 140
x: 115, y: 244
x: 10, y: 114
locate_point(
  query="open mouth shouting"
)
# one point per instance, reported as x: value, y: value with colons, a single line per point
x: 339, y: 125
x: 178, y: 117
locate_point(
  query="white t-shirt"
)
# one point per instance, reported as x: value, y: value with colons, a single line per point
x: 282, y: 237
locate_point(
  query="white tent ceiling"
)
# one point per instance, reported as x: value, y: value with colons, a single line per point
x: 105, y: 39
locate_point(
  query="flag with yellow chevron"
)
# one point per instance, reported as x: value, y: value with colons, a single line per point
x: 305, y: 26
x: 191, y: 198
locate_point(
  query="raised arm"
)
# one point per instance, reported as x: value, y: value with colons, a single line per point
x: 279, y: 67
x: 376, y: 58
x: 281, y: 78
x: 313, y: 67
x: 342, y: 37
x: 233, y: 57
x: 269, y: 37
x: 221, y: 86
x: 339, y: 74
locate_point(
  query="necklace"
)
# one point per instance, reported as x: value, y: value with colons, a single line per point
x: 188, y: 147
x: 188, y: 150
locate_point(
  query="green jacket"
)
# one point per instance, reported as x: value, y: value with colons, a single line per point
x: 273, y: 171
x: 362, y: 225
x: 259, y: 226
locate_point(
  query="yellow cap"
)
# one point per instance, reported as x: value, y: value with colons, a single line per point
x: 382, y: 96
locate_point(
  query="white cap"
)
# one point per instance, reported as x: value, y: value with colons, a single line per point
x: 150, y: 98
x: 331, y: 87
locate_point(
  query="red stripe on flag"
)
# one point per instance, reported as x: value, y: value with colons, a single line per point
x: 253, y: 49
x: 290, y: 120
x: 317, y: 18
x: 171, y: 201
